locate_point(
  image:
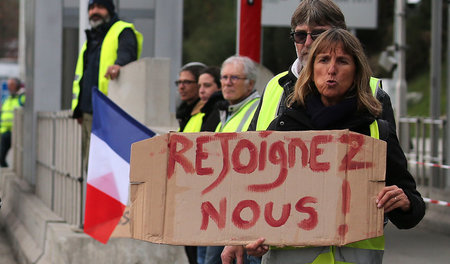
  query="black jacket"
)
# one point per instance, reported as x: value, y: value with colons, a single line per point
x: 211, y: 110
x: 183, y: 113
x: 288, y: 82
x: 297, y: 119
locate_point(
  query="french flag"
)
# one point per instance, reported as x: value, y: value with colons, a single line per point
x: 113, y: 132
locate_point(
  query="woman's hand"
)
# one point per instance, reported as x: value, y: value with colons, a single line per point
x: 230, y: 253
x: 392, y: 197
x: 257, y: 249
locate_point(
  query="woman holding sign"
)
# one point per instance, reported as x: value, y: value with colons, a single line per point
x: 331, y: 93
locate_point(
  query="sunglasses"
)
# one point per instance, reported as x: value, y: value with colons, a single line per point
x: 299, y: 37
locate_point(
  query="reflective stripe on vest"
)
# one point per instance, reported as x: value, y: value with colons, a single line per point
x: 375, y: 84
x: 305, y: 255
x: 108, y: 56
x: 357, y: 255
x: 365, y: 251
x: 195, y: 123
x: 270, y: 102
x: 7, y: 115
x: 240, y: 121
x: 272, y: 99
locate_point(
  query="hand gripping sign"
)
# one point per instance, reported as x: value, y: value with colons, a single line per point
x: 293, y: 188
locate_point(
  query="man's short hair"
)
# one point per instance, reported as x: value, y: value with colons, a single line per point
x: 318, y: 13
x: 194, y: 68
x: 250, y: 69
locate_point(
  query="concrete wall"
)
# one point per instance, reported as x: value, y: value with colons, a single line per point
x: 39, y: 236
x: 143, y: 91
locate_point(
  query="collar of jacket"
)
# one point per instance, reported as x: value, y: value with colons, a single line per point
x: 212, y: 101
x: 233, y: 108
x: 358, y: 121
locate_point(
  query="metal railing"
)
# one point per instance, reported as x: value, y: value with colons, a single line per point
x: 426, y: 162
x: 59, y: 182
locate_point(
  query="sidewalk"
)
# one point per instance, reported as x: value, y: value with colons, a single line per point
x: 6, y: 255
x: 415, y: 246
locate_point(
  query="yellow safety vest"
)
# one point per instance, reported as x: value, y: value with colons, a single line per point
x: 108, y: 56
x: 240, y: 121
x: 8, y: 106
x: 195, y: 123
x: 272, y: 100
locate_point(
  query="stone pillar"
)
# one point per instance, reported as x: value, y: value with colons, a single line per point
x: 42, y: 53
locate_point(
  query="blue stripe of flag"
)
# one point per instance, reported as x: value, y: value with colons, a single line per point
x: 115, y: 127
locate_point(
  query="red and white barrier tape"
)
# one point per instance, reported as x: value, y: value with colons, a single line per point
x: 428, y: 200
x: 429, y: 164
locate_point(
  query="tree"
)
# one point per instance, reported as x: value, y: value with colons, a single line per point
x: 209, y: 31
x: 9, y: 24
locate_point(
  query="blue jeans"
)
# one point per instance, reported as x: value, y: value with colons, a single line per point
x: 212, y: 255
x: 253, y: 260
x: 201, y: 252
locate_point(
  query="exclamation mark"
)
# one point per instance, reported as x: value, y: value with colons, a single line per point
x: 346, y: 193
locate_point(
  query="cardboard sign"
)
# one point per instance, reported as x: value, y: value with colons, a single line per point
x: 292, y: 188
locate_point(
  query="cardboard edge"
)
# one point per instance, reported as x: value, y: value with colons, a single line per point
x: 146, y: 202
x: 376, y: 182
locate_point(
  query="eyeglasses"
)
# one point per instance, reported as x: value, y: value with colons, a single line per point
x: 233, y: 78
x: 300, y: 36
x: 184, y: 82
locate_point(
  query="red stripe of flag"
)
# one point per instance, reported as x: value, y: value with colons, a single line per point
x: 102, y: 214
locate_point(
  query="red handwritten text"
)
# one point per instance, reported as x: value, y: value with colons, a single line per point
x: 219, y: 216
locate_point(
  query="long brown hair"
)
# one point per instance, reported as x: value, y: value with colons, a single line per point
x: 332, y: 39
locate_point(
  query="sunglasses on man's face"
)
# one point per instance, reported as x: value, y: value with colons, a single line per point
x: 299, y: 37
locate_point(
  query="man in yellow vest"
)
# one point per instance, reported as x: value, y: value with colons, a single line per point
x: 15, y: 100
x: 238, y: 77
x: 111, y: 43
x: 309, y: 20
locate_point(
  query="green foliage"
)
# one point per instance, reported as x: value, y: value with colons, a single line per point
x: 418, y: 39
x: 9, y: 25
x: 421, y: 83
x: 278, y: 49
x: 209, y: 36
x: 209, y: 33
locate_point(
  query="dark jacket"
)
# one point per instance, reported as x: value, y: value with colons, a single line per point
x: 288, y: 83
x: 211, y: 110
x: 297, y: 118
x: 183, y: 113
x: 126, y: 53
